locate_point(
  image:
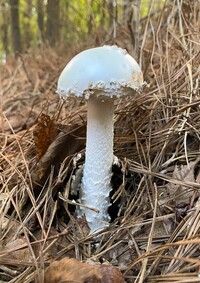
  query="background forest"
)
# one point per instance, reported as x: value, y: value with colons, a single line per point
x: 31, y: 24
x: 154, y: 233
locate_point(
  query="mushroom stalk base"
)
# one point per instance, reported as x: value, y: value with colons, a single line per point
x: 97, y: 172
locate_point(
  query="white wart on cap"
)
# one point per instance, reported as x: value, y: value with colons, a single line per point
x: 99, y: 75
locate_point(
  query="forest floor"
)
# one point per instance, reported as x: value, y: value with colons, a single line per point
x: 154, y: 235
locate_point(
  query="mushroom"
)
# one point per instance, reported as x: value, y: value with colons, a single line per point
x: 100, y: 75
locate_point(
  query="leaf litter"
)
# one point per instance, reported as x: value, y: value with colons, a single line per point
x: 154, y: 233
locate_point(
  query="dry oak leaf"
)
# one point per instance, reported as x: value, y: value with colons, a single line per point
x: 71, y: 270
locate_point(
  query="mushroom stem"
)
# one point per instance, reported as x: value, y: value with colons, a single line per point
x: 97, y: 172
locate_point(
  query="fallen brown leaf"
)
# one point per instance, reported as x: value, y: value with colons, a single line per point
x: 182, y: 193
x: 17, y: 120
x: 110, y: 274
x: 44, y: 133
x: 68, y: 142
x: 72, y: 270
x: 12, y: 250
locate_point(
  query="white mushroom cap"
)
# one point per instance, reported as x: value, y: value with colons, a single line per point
x: 109, y: 69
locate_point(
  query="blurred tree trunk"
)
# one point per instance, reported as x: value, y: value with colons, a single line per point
x: 90, y: 17
x: 53, y: 22
x: 4, y: 29
x: 15, y: 27
x: 27, y: 26
x: 131, y: 17
x: 110, y: 12
x: 136, y: 24
x: 40, y: 18
x: 103, y: 14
